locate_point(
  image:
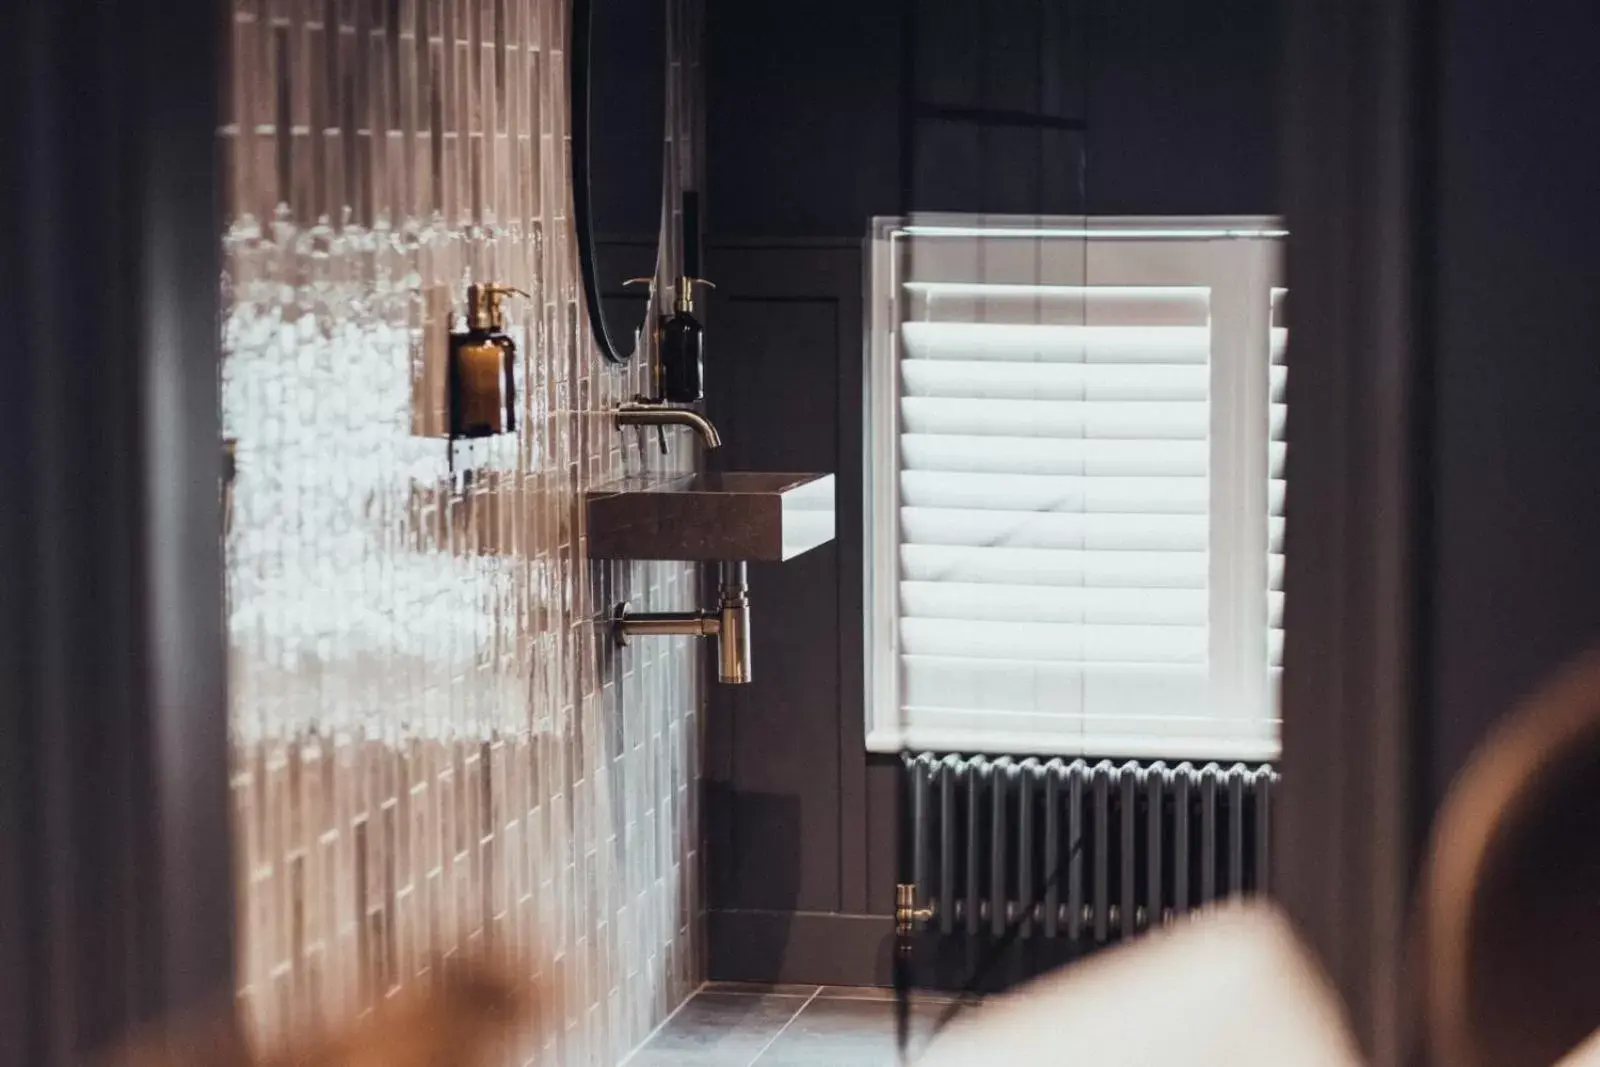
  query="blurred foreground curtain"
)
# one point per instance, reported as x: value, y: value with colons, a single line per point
x: 1351, y: 817
x: 115, y: 874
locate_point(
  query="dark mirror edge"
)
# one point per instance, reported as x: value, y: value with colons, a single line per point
x: 582, y: 223
x: 580, y: 67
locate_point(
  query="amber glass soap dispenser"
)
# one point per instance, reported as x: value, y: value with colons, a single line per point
x: 482, y: 388
x: 683, y: 348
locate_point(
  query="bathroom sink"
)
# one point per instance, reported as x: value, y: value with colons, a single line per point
x: 735, y: 515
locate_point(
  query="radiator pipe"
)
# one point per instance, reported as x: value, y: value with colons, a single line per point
x: 1102, y: 851
x: 1208, y: 834
x: 977, y: 781
x: 945, y: 894
x: 1052, y: 847
x: 1128, y: 909
x: 1025, y: 835
x: 999, y: 787
x: 1236, y: 829
x: 1263, y: 783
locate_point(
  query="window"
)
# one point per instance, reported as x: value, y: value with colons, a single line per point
x: 1075, y: 486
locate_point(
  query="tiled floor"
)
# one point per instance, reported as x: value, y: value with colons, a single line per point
x: 730, y: 1025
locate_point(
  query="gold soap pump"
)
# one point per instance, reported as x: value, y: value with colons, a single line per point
x: 482, y: 386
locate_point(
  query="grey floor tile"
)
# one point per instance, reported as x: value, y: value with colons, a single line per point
x: 847, y: 1033
x: 867, y: 992
x: 778, y: 990
x: 718, y: 1030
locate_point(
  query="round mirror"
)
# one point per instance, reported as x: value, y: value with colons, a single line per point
x: 619, y: 107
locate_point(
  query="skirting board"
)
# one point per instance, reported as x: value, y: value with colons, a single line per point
x: 827, y: 948
x: 800, y: 947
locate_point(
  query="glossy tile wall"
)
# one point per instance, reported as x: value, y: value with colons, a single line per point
x: 435, y: 744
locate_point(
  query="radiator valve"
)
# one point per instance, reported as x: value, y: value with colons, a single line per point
x: 906, y: 913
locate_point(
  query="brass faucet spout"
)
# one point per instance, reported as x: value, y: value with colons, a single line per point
x: 640, y: 413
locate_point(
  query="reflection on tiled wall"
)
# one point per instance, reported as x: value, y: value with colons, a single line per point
x: 435, y: 744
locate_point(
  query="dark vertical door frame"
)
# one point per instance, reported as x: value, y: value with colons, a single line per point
x: 116, y: 870
x: 1356, y: 174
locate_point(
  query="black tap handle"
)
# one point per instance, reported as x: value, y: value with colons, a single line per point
x: 661, y: 434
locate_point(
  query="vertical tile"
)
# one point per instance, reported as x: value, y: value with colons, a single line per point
x: 433, y: 749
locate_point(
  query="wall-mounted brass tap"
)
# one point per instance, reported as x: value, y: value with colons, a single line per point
x: 655, y: 413
x: 907, y: 916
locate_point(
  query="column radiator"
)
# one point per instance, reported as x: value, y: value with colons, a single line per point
x: 1088, y: 852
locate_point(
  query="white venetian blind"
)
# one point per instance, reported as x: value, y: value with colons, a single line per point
x: 1277, y: 453
x: 1061, y: 579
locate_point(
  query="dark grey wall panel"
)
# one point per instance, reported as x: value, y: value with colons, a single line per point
x: 1345, y: 824
x: 1445, y: 265
x: 802, y: 116
x: 776, y: 786
x: 786, y: 773
x: 1517, y: 547
x: 994, y: 107
x: 801, y: 947
x: 1182, y: 107
x: 964, y: 167
x: 814, y: 125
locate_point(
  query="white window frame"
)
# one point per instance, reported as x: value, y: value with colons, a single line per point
x: 1237, y: 257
